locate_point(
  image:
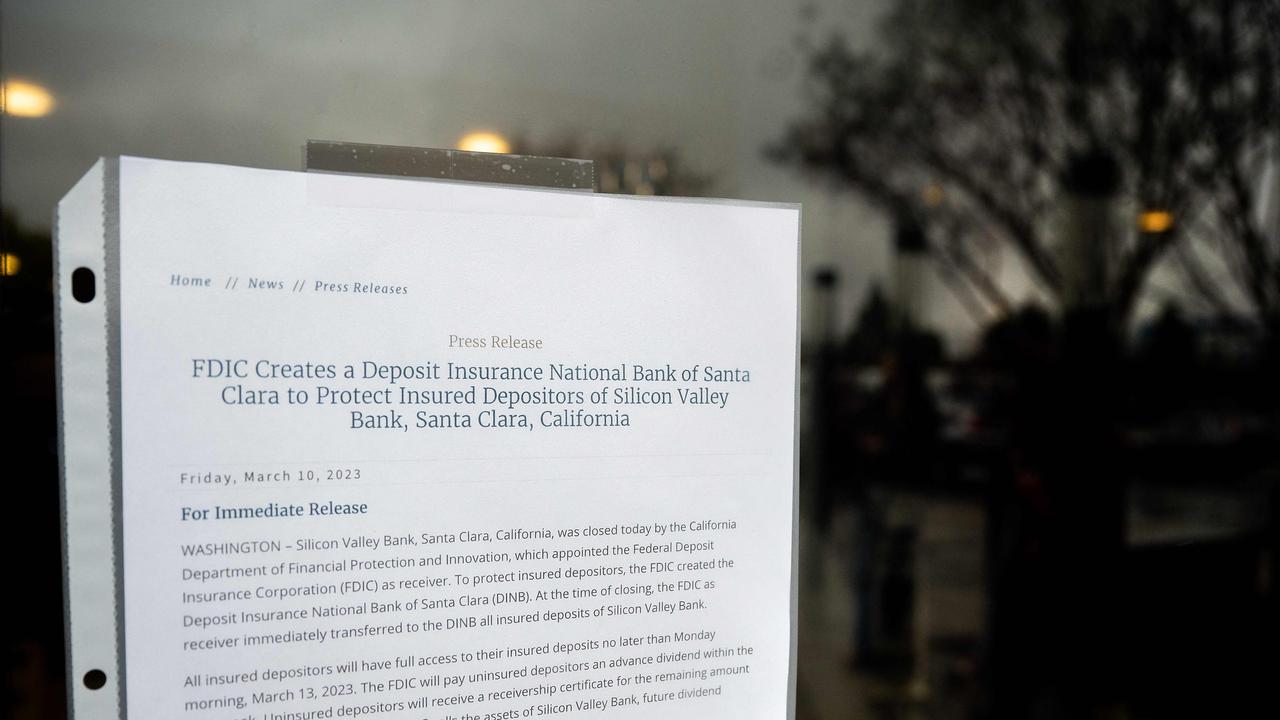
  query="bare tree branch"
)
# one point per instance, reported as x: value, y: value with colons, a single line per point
x: 987, y: 103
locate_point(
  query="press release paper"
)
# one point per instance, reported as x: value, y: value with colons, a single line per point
x: 406, y: 449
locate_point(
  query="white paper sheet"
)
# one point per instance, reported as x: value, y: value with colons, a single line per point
x: 399, y: 448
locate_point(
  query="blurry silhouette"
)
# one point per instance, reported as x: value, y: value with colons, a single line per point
x: 895, y: 439
x: 827, y: 434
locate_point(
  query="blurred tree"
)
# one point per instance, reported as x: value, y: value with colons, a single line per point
x: 1006, y: 122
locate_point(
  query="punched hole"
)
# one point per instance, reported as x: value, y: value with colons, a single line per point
x: 83, y: 284
x: 95, y: 679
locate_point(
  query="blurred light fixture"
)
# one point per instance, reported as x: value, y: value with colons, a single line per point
x: 484, y: 142
x: 24, y: 99
x: 933, y: 195
x: 10, y: 264
x: 1155, y: 221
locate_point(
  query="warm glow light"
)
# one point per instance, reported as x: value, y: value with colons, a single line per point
x: 25, y: 99
x: 10, y: 264
x: 485, y: 142
x: 1155, y: 221
x: 933, y: 195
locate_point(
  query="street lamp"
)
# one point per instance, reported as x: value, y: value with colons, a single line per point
x: 24, y: 99
x: 1155, y: 221
x: 484, y: 142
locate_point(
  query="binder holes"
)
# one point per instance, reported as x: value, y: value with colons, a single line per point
x: 94, y: 679
x: 82, y: 289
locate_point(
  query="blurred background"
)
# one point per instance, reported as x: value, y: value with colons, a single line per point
x: 1041, y: 437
